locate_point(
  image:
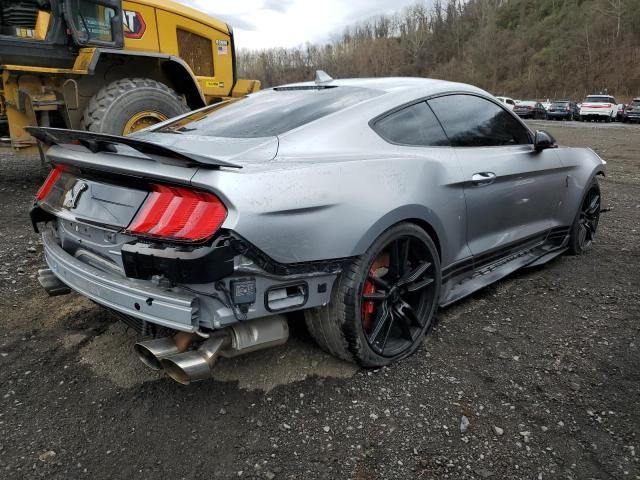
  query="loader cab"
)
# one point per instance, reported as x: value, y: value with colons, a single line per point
x: 95, y: 22
x: 48, y: 33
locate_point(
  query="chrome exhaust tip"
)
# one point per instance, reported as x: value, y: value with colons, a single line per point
x: 196, y: 365
x: 152, y: 352
x: 245, y: 337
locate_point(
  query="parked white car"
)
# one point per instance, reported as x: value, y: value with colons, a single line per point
x: 509, y: 102
x: 599, y: 107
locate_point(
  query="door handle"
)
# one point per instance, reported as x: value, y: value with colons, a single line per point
x: 482, y: 179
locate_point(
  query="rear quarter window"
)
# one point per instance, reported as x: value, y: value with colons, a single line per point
x: 414, y: 125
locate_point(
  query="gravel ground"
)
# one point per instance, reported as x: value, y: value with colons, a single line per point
x: 536, y: 377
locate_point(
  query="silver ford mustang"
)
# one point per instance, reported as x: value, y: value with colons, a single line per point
x: 367, y: 203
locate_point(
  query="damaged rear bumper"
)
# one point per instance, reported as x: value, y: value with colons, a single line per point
x: 246, y: 286
x: 169, y: 309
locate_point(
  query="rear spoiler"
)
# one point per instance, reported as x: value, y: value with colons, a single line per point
x: 100, y: 142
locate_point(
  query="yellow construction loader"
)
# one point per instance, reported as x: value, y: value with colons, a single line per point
x: 109, y: 66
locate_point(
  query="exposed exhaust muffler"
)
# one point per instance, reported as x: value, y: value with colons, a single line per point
x: 238, y: 339
x: 152, y: 351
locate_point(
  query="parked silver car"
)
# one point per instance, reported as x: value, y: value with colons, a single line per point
x: 367, y: 203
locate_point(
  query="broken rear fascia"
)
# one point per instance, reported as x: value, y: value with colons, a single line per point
x: 204, y: 273
x: 223, y: 248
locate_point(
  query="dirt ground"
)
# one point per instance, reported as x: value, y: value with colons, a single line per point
x: 544, y: 365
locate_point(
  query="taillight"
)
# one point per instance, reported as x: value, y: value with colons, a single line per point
x: 49, y: 183
x: 177, y: 213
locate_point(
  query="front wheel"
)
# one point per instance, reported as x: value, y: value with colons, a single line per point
x: 384, y: 302
x: 585, y: 225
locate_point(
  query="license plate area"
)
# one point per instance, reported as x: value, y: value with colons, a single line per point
x: 95, y: 201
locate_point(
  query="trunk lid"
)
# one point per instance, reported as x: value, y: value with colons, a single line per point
x: 103, y: 182
x: 84, y: 198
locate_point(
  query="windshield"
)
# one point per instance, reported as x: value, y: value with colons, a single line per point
x: 635, y: 103
x: 598, y: 99
x: 560, y: 104
x: 270, y: 113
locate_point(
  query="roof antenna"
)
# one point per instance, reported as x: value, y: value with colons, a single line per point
x: 323, y: 77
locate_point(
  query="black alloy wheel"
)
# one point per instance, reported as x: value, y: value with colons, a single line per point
x: 397, y: 296
x: 384, y: 302
x: 586, y: 223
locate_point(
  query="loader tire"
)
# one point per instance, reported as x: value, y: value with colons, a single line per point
x: 131, y: 104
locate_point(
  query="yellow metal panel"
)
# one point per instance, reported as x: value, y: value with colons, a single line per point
x: 187, y: 12
x: 42, y: 25
x: 140, y: 27
x: 42, y: 70
x: 244, y: 87
x: 221, y: 83
x: 17, y: 120
x: 83, y: 60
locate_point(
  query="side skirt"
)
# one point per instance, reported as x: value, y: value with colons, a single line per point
x: 470, y: 275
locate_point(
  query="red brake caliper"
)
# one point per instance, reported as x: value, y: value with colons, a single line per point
x: 368, y: 307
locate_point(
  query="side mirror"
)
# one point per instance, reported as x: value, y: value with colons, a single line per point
x: 543, y: 140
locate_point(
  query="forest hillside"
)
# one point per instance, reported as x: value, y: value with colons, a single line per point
x: 521, y: 48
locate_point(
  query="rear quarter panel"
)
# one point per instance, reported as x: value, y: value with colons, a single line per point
x: 315, y: 210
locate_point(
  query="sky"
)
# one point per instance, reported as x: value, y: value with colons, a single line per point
x: 259, y: 24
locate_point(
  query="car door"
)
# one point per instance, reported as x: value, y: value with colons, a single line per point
x: 511, y: 191
x: 414, y: 131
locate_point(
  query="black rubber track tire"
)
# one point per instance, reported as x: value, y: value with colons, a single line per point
x: 337, y: 327
x: 574, y: 244
x: 112, y: 107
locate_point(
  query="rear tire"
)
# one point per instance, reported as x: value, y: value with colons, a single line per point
x: 128, y: 105
x: 585, y: 224
x: 346, y: 328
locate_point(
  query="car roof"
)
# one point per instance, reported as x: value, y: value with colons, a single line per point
x: 394, y: 85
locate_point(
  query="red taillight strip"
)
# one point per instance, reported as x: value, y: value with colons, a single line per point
x: 152, y: 210
x: 49, y: 183
x: 178, y: 213
x: 206, y: 217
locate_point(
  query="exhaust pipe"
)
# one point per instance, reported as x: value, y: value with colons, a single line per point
x: 52, y: 284
x: 152, y: 351
x: 196, y: 365
x: 238, y: 339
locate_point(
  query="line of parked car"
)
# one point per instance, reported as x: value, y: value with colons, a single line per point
x: 593, y: 108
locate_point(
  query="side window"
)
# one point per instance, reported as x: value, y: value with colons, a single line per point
x: 414, y: 125
x: 510, y: 102
x: 471, y: 121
